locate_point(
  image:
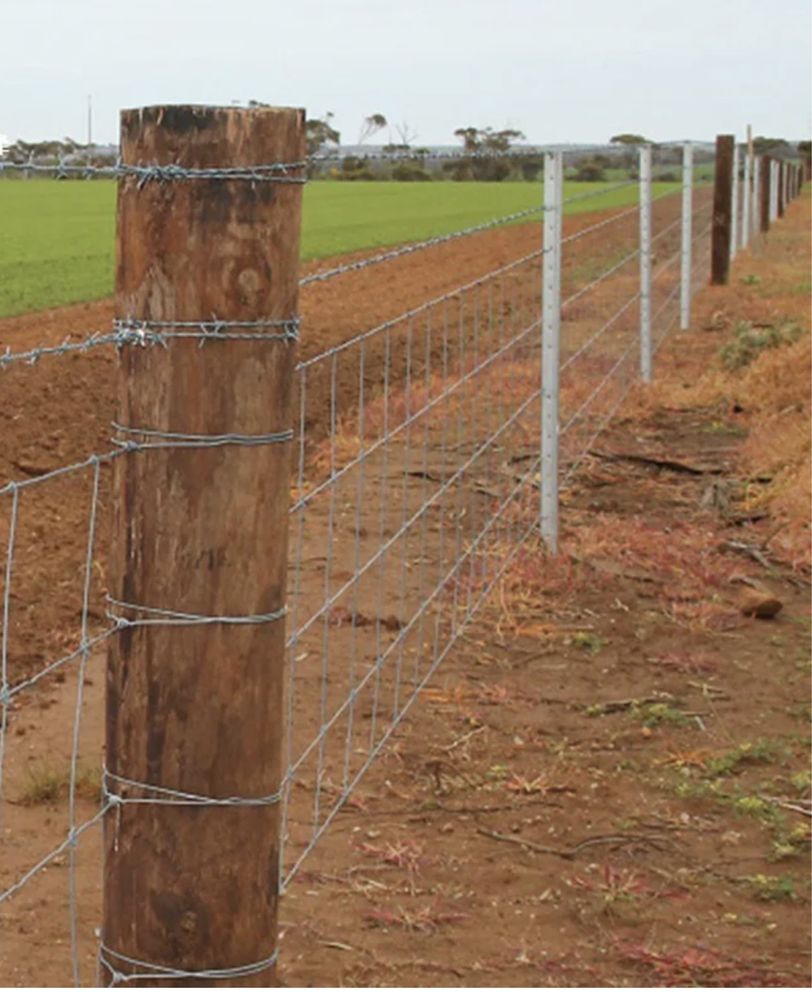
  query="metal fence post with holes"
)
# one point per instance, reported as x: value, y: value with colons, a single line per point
x: 734, y: 203
x: 550, y: 347
x: 755, y: 204
x: 747, y: 194
x: 645, y: 263
x: 686, y: 237
x: 199, y: 548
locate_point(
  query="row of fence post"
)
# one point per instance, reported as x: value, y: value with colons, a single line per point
x: 197, y: 721
x: 750, y: 192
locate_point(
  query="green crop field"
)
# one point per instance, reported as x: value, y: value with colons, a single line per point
x: 56, y: 237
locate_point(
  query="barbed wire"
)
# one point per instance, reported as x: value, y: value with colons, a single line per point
x: 426, y: 244
x: 143, y: 174
x: 147, y: 333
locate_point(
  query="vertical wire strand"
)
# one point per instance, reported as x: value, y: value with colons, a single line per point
x: 77, y: 724
x: 383, y: 506
x: 4, y: 686
x: 328, y: 567
x: 293, y: 619
x: 359, y: 500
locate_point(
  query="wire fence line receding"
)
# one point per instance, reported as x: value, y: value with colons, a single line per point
x: 416, y: 474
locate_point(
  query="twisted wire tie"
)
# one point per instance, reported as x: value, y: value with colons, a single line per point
x: 161, y: 796
x: 169, y: 617
x: 177, y: 439
x: 152, y: 970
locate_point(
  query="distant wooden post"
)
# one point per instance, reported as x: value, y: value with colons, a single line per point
x: 195, y: 708
x: 765, y: 176
x: 782, y: 173
x: 722, y: 209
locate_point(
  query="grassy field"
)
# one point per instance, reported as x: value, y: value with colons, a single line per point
x: 57, y: 244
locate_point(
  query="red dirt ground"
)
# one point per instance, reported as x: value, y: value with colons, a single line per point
x: 606, y: 784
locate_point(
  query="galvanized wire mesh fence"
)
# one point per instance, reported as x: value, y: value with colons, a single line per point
x: 417, y: 475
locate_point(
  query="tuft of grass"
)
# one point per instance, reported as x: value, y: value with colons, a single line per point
x: 749, y: 342
x: 771, y: 888
x: 761, y: 751
x: 44, y: 783
x: 791, y: 844
x: 661, y: 714
x: 758, y: 808
x: 589, y: 641
x: 47, y: 782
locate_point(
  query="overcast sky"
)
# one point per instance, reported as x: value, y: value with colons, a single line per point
x: 559, y: 70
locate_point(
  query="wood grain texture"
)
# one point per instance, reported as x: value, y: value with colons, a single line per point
x: 202, y: 530
x: 722, y: 210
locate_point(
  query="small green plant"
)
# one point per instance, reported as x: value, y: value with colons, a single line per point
x: 701, y: 789
x: 586, y: 640
x: 801, y: 782
x: 772, y: 889
x: 749, y: 341
x: 745, y: 753
x: 44, y: 783
x: 751, y: 279
x: 758, y: 808
x: 48, y: 782
x: 791, y: 844
x: 660, y: 714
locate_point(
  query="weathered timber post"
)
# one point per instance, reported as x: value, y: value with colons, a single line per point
x: 782, y: 193
x: 766, y: 173
x: 199, y: 550
x: 722, y: 208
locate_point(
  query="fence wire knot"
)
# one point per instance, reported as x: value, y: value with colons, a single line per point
x: 176, y: 439
x: 168, y: 617
x: 152, y: 970
x: 144, y: 793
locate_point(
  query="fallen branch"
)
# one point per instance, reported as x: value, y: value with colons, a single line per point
x: 742, y: 548
x: 799, y: 807
x: 569, y: 853
x: 675, y: 465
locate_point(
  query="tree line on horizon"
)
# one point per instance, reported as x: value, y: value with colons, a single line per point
x: 486, y: 154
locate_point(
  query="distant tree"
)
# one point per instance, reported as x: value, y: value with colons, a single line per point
x: 628, y: 139
x: 590, y: 169
x: 319, y: 133
x: 763, y: 146
x: 484, y: 146
x: 406, y: 134
x: 371, y: 125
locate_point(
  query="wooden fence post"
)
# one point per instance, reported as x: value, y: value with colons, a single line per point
x: 766, y: 181
x: 722, y: 208
x: 782, y: 170
x: 194, y: 712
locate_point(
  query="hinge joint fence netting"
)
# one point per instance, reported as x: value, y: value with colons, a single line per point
x: 417, y: 473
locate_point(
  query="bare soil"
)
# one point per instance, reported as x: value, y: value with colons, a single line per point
x: 607, y: 782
